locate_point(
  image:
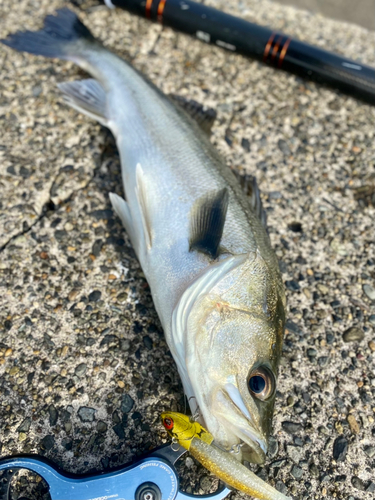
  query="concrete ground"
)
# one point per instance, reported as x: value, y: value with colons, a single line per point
x: 361, y: 12
x: 84, y: 368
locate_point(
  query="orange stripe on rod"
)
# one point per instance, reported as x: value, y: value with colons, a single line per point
x: 268, y: 46
x: 148, y: 8
x: 276, y: 48
x: 161, y: 10
x: 283, y: 52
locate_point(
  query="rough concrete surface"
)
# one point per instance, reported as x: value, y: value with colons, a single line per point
x: 362, y: 13
x: 84, y: 368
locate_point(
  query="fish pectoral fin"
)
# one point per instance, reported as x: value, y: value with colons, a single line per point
x: 87, y: 97
x: 123, y: 211
x: 205, y: 117
x: 207, y: 222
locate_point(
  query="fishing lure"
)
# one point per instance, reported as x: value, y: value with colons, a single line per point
x: 195, y: 438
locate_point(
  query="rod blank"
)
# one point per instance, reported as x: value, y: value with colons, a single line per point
x: 276, y: 49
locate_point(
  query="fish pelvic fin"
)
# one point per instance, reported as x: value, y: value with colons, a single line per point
x: 207, y: 222
x: 143, y: 203
x: 137, y: 223
x: 87, y: 97
x: 62, y: 36
x: 123, y: 211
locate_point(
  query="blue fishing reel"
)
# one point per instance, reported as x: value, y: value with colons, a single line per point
x: 153, y: 477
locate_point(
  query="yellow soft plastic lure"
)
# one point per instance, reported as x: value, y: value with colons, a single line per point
x: 195, y: 438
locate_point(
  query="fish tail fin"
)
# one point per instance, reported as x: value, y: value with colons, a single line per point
x: 63, y: 36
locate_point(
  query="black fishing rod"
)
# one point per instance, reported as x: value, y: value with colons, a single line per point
x: 232, y: 33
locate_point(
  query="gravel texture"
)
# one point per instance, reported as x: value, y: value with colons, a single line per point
x: 84, y: 368
x: 362, y: 14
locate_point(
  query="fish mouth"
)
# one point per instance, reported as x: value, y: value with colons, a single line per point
x: 251, y: 444
x: 252, y: 450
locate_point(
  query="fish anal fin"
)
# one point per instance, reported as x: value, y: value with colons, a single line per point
x: 143, y: 203
x: 207, y: 222
x: 205, y: 117
x: 87, y: 97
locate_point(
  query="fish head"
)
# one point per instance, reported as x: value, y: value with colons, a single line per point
x: 234, y: 342
x: 242, y: 381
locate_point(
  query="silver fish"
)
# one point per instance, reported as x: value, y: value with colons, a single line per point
x: 200, y: 240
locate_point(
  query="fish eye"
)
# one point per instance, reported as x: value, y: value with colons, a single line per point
x: 261, y: 383
x: 168, y: 423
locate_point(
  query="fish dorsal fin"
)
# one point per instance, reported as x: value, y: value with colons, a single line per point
x: 207, y: 222
x: 88, y: 97
x: 205, y: 117
x: 251, y: 189
x: 143, y: 203
x: 255, y: 200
